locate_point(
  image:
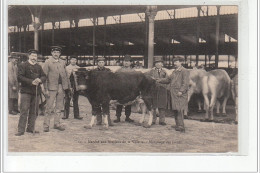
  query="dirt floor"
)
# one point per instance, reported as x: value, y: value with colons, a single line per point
x: 200, y: 137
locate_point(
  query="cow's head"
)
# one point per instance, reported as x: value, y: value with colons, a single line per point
x: 82, y: 77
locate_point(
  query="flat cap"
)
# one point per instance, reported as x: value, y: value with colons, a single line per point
x: 32, y: 51
x: 178, y: 58
x: 101, y: 59
x: 73, y: 56
x: 158, y: 59
x: 57, y: 48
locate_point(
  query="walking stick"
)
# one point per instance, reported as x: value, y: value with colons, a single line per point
x: 35, y: 108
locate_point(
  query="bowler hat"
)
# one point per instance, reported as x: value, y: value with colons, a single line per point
x: 101, y: 59
x: 178, y: 58
x: 32, y: 51
x: 57, y: 48
x: 158, y: 59
x: 127, y: 58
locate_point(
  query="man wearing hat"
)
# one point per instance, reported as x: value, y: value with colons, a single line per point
x: 12, y: 85
x: 160, y: 96
x: 126, y: 68
x: 97, y: 109
x: 75, y: 94
x: 179, y: 85
x: 31, y: 75
x: 57, y: 82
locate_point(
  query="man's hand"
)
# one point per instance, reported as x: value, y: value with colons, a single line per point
x: 46, y: 93
x: 179, y: 94
x: 36, y: 81
x: 14, y: 88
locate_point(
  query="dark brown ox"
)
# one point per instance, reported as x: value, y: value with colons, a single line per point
x: 214, y: 86
x: 100, y: 87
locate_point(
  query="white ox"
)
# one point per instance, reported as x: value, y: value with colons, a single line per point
x: 214, y: 86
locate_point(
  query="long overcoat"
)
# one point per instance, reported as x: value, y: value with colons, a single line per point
x: 179, y: 82
x: 12, y: 81
x: 161, y: 95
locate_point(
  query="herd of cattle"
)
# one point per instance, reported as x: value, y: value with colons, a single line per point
x: 102, y: 87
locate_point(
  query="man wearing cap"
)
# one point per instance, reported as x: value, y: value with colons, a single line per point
x: 179, y: 85
x: 160, y: 96
x: 75, y: 94
x: 126, y: 68
x: 96, y: 110
x: 31, y: 75
x: 57, y: 82
x: 12, y: 86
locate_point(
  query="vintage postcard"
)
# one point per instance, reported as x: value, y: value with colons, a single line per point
x: 156, y: 79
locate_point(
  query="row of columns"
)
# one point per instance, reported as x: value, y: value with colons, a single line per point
x: 150, y: 14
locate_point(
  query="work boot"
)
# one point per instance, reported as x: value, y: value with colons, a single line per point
x: 162, y: 123
x: 78, y: 118
x: 117, y: 120
x: 19, y: 134
x: 59, y: 127
x: 31, y: 131
x: 129, y: 120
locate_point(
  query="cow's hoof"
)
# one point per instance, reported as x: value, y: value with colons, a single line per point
x: 224, y: 115
x: 88, y: 127
x: 206, y: 120
x: 180, y: 129
x: 146, y: 126
x: 138, y: 124
x: 218, y: 115
x: 186, y: 117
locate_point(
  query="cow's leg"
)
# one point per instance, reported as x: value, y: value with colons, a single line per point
x: 150, y: 121
x: 211, y: 107
x: 93, y: 119
x: 224, y: 106
x: 199, y: 105
x: 236, y: 107
x: 105, y: 108
x: 217, y: 106
x: 206, y: 102
x: 144, y: 110
x: 106, y: 120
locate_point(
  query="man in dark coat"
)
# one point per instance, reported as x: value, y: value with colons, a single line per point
x: 96, y: 110
x: 179, y: 85
x: 31, y: 75
x: 126, y: 68
x: 12, y: 86
x: 160, y: 96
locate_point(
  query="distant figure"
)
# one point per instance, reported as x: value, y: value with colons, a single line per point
x: 71, y: 93
x: 12, y: 86
x: 126, y: 68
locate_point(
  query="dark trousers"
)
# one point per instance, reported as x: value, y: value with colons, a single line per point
x: 27, y: 107
x: 13, y: 104
x: 179, y: 118
x: 75, y: 99
x: 119, y: 111
x: 96, y: 110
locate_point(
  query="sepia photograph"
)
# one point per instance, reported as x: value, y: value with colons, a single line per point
x: 123, y: 78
